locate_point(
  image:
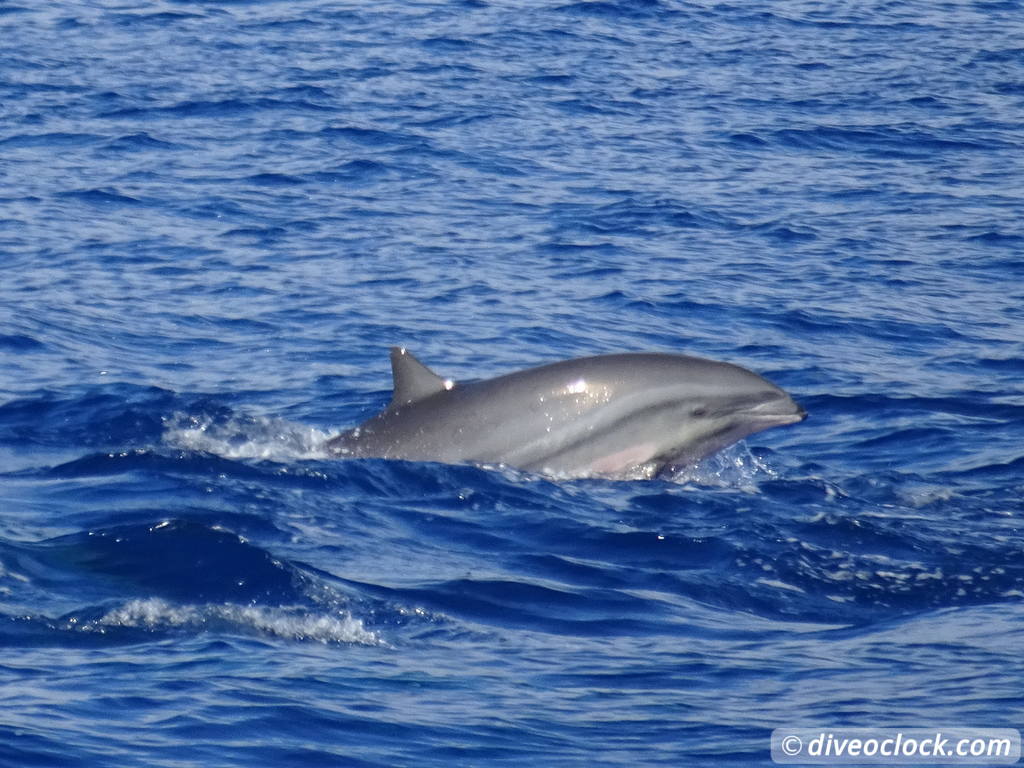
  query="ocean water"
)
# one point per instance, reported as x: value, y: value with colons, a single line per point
x: 217, y: 215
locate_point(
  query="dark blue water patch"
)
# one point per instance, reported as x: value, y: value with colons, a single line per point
x: 361, y: 173
x: 215, y: 208
x: 1008, y: 470
x: 570, y: 254
x: 622, y: 10
x: 836, y: 570
x: 747, y: 140
x: 881, y: 142
x: 784, y: 233
x: 224, y: 108
x: 1012, y: 89
x: 25, y: 199
x: 306, y: 91
x: 20, y: 343
x: 176, y: 559
x: 560, y: 80
x: 138, y: 142
x: 570, y: 570
x: 998, y: 239
x: 148, y: 462
x: 122, y: 416
x: 286, y: 25
x: 273, y: 180
x: 447, y: 45
x: 103, y: 198
x: 906, y: 333
x: 54, y: 140
x: 19, y: 747
x: 1011, y: 55
x: 832, y: 569
x: 999, y: 265
x: 522, y: 605
x: 459, y: 72
x: 257, y: 236
x: 633, y: 217
x: 598, y: 107
x: 458, y: 120
x: 887, y: 406
x: 924, y: 440
x: 430, y: 526
x: 163, y: 19
x: 875, y: 576
x: 372, y: 137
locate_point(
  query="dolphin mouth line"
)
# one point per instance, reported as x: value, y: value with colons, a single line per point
x: 770, y: 411
x: 781, y: 419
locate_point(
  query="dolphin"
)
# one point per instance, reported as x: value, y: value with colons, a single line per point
x: 618, y: 415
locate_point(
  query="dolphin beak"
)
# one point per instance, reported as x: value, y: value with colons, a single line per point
x: 779, y: 411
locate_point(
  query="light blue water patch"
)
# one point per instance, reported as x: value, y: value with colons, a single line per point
x: 216, y: 217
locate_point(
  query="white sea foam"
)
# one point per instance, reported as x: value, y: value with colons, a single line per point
x: 289, y: 623
x: 734, y: 467
x: 245, y: 437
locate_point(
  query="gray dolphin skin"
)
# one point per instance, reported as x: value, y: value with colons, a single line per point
x: 621, y: 415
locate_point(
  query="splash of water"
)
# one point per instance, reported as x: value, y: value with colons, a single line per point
x: 288, y: 623
x: 245, y: 437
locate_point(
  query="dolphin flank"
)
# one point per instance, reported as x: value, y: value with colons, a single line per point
x: 632, y: 415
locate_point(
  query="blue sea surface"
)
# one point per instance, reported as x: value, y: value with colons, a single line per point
x: 217, y: 215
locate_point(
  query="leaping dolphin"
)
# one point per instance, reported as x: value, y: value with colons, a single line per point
x: 631, y: 415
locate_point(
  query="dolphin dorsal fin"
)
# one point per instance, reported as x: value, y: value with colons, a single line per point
x: 413, y: 380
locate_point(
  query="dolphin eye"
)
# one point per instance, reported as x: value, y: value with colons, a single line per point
x: 699, y: 413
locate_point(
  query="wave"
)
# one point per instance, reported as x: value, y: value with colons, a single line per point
x: 245, y: 437
x: 180, y: 574
x: 156, y: 614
